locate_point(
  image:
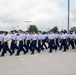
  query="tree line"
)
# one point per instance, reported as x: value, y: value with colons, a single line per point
x: 54, y: 29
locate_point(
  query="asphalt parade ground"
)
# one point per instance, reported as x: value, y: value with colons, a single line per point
x: 56, y: 63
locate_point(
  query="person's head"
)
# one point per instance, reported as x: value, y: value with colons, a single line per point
x: 0, y: 32
x: 65, y: 31
x: 56, y: 32
x: 39, y: 32
x: 62, y: 32
x: 71, y: 32
x: 5, y: 32
x: 50, y: 31
x: 11, y: 32
x: 14, y: 32
x: 31, y: 33
x: 34, y: 32
x: 26, y: 32
x: 44, y: 32
x: 20, y: 31
x: 23, y: 32
x: 75, y: 32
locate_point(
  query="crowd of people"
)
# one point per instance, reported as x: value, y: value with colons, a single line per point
x: 31, y: 41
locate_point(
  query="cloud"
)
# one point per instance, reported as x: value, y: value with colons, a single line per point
x: 44, y: 13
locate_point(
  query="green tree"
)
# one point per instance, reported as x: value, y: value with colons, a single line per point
x: 73, y: 29
x: 32, y: 28
x: 55, y: 29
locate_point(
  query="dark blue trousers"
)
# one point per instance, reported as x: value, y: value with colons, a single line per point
x: 75, y: 41
x: 51, y: 45
x: 27, y: 45
x: 57, y: 43
x: 5, y: 49
x: 39, y: 46
x: 43, y: 44
x: 0, y: 46
x: 20, y: 48
x: 63, y: 43
x: 32, y: 45
x: 72, y: 44
x: 14, y: 46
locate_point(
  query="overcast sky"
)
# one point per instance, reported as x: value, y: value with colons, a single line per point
x: 43, y: 13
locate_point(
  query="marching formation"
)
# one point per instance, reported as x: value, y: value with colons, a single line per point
x: 25, y: 41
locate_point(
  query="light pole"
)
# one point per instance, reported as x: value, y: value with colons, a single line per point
x: 17, y: 27
x: 68, y: 14
x: 27, y: 23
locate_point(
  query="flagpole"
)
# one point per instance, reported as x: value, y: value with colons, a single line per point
x: 68, y: 14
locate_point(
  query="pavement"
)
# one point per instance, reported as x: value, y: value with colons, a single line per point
x: 56, y: 63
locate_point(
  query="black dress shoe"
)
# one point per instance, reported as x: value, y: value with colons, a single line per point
x: 73, y: 48
x: 1, y: 56
x: 42, y: 48
x: 64, y: 51
x: 11, y: 54
x: 32, y: 53
x: 60, y: 49
x: 16, y: 55
x: 46, y: 48
x: 25, y: 53
x: 50, y: 52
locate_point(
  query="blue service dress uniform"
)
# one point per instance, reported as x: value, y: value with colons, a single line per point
x: 39, y: 37
x: 51, y: 39
x: 72, y: 41
x: 5, y: 46
x: 28, y: 36
x: 14, y: 42
x: 20, y: 46
x: 44, y: 41
x: 75, y: 38
x: 1, y: 38
x: 33, y: 43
